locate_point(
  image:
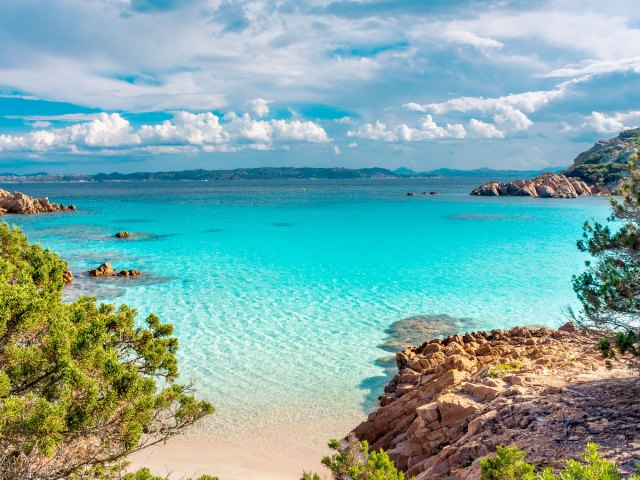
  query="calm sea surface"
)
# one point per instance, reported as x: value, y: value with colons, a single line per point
x: 281, y: 291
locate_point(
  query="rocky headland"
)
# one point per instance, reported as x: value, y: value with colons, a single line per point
x: 597, y: 171
x: 550, y: 392
x: 23, y: 204
x: 547, y: 185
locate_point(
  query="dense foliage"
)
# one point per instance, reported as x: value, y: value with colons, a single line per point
x: 609, y: 289
x: 599, y: 173
x: 508, y: 464
x: 354, y: 461
x: 81, y: 385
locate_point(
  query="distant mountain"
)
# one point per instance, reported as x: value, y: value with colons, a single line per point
x: 266, y: 173
x: 605, y: 164
x: 489, y: 172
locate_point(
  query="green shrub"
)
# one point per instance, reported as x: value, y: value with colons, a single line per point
x: 508, y: 464
x: 354, y: 461
x: 82, y: 385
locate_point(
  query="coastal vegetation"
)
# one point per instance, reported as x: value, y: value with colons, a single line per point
x: 509, y: 464
x: 82, y: 385
x: 354, y: 461
x: 609, y: 288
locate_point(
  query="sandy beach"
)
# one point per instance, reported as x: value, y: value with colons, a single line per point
x: 190, y: 458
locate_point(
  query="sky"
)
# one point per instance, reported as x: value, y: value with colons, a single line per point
x: 140, y: 85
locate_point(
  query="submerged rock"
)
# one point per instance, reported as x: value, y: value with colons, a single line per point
x: 547, y: 185
x: 421, y: 328
x: 124, y: 235
x: 453, y: 400
x: 23, y: 204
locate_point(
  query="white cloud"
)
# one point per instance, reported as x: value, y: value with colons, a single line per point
x: 469, y: 38
x: 67, y: 117
x: 185, y: 132
x: 613, y: 123
x: 427, y: 129
x: 507, y: 111
x: 259, y: 106
x: 336, y: 150
x: 41, y: 124
x: 597, y: 67
x: 185, y: 127
x: 481, y: 129
x: 370, y: 131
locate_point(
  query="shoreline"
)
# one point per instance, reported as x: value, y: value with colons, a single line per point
x: 183, y: 457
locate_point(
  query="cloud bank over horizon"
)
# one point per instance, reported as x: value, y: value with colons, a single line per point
x: 219, y: 83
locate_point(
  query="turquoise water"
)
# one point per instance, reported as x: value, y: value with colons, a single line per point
x: 280, y: 294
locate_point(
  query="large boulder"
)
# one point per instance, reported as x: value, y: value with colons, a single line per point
x: 104, y: 269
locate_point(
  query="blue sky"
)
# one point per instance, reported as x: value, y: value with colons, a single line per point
x: 106, y: 85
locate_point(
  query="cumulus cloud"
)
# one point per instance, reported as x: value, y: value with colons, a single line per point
x: 507, y: 111
x: 427, y: 129
x: 613, y: 123
x: 469, y: 38
x: 259, y: 106
x: 481, y: 129
x: 184, y: 132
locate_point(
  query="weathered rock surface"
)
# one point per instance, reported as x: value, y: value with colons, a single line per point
x: 129, y: 273
x: 106, y: 270
x: 67, y: 276
x: 21, y: 203
x: 548, y: 391
x: 547, y: 185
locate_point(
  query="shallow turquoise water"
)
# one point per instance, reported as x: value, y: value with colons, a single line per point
x: 280, y: 295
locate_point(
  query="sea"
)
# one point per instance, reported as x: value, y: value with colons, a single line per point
x: 281, y: 291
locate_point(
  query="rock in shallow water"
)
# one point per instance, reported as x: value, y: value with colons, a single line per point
x: 23, y: 204
x: 547, y: 185
x: 106, y: 270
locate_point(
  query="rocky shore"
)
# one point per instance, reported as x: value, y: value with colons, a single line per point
x: 548, y: 391
x: 547, y: 185
x: 23, y: 204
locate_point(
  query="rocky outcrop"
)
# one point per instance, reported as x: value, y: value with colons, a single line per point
x: 604, y: 166
x: 67, y: 276
x: 548, y: 391
x: 21, y: 203
x: 547, y: 185
x: 129, y: 273
x: 124, y: 235
x: 106, y: 270
x: 102, y: 270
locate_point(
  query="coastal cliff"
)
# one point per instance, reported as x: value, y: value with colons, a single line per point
x: 547, y: 185
x: 605, y: 164
x: 453, y: 401
x: 23, y: 204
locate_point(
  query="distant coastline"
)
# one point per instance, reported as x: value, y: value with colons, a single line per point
x: 265, y: 173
